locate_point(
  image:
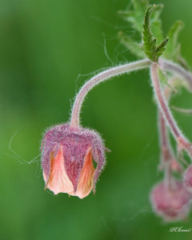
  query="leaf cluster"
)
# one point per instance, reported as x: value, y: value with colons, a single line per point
x: 145, y: 20
x: 149, y: 42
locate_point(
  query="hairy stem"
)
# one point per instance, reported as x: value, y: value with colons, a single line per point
x: 162, y: 102
x: 164, y: 140
x: 178, y: 70
x: 107, y: 74
x: 168, y: 160
x: 166, y: 149
x: 180, y: 138
x: 115, y: 71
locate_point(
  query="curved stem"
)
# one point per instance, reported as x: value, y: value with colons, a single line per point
x: 180, y: 138
x: 109, y: 73
x: 165, y: 146
x: 115, y: 71
x: 178, y: 70
x: 168, y: 160
x: 162, y: 102
x: 165, y: 150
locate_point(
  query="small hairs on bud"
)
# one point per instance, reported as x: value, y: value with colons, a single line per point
x: 171, y: 203
x: 67, y: 160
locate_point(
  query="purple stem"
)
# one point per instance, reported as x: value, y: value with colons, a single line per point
x: 180, y: 138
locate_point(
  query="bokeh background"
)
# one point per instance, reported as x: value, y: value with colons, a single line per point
x: 47, y: 50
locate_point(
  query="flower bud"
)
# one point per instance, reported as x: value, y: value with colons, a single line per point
x: 188, y: 178
x: 171, y: 203
x: 67, y: 160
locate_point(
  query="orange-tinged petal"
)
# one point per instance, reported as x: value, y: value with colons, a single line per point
x: 85, y: 183
x: 67, y: 159
x: 58, y: 180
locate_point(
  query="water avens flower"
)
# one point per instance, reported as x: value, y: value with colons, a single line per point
x: 172, y: 203
x: 69, y: 151
x: 67, y: 160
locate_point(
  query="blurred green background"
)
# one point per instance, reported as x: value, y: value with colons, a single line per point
x: 47, y: 50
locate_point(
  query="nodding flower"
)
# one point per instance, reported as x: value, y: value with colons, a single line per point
x: 172, y: 203
x: 67, y: 160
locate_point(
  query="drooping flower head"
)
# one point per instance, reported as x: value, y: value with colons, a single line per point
x: 67, y: 160
x: 172, y: 204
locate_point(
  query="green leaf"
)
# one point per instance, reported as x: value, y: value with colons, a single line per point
x: 138, y: 4
x: 134, y: 47
x: 149, y: 42
x: 135, y: 16
x: 161, y: 48
x: 156, y: 24
x: 173, y: 49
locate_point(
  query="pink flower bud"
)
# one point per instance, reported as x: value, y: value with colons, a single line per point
x: 188, y: 178
x: 172, y: 204
x: 67, y: 160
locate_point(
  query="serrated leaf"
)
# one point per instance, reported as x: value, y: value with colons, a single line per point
x: 135, y: 16
x: 149, y: 42
x: 174, y: 31
x: 173, y: 49
x: 161, y: 48
x: 129, y: 43
x: 156, y: 25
